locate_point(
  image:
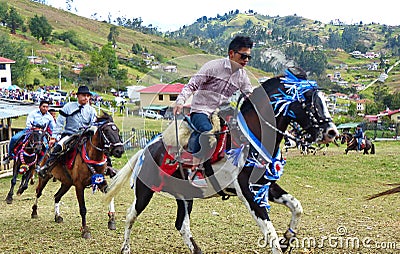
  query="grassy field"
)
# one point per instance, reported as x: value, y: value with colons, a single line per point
x: 332, y: 189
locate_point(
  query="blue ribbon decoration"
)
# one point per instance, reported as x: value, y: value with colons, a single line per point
x: 96, y: 180
x: 296, y: 88
x: 261, y: 195
x: 234, y: 155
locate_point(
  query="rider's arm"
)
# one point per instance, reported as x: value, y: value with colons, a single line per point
x: 245, y: 84
x: 30, y: 119
x: 52, y: 124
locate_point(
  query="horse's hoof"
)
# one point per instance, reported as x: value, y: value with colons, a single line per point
x: 58, y: 219
x: 112, y: 225
x: 9, y: 200
x: 86, y: 233
x: 34, y: 216
x: 126, y: 249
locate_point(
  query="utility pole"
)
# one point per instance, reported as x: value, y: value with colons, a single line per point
x: 59, y: 76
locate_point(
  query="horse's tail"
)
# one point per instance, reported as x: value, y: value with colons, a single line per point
x: 372, y: 148
x: 388, y: 192
x: 121, y: 177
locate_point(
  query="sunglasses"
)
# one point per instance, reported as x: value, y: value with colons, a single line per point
x: 243, y: 56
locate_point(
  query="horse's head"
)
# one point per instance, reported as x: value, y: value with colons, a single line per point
x: 345, y: 137
x: 36, y: 134
x: 299, y: 100
x: 109, y: 135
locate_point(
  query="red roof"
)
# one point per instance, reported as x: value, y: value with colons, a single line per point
x: 163, y: 88
x: 6, y: 60
x: 389, y: 112
x: 371, y: 118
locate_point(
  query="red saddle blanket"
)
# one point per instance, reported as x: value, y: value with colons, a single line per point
x: 69, y: 158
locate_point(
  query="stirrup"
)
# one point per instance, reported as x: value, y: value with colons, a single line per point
x: 197, y: 179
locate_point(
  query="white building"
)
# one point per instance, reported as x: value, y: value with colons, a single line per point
x: 5, y: 72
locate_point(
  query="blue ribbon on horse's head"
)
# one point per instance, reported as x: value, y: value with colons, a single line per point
x: 295, y: 90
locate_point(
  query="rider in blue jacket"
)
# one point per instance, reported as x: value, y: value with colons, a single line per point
x: 359, y: 135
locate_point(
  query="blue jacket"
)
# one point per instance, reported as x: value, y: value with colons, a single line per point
x: 359, y: 133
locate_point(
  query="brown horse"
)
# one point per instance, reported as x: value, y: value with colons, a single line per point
x: 28, y: 154
x: 86, y: 168
x: 352, y: 144
x: 250, y: 170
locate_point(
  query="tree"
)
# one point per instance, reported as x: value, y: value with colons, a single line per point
x: 3, y: 12
x: 352, y: 110
x: 113, y: 36
x: 40, y: 28
x: 15, y: 51
x: 313, y: 61
x: 14, y: 20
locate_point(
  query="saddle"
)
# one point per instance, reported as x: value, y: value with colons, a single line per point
x: 72, y: 148
x: 218, y: 138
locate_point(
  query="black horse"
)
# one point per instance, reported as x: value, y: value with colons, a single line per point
x: 353, y: 145
x: 28, y: 153
x: 248, y: 175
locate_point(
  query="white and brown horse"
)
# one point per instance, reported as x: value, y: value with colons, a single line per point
x: 251, y: 167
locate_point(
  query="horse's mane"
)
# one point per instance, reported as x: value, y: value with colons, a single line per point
x: 268, y: 85
x: 273, y: 84
x: 104, y: 118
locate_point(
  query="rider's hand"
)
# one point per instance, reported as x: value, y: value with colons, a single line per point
x: 51, y: 142
x: 178, y: 109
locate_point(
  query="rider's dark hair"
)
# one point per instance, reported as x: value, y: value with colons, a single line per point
x: 43, y: 102
x: 240, y: 42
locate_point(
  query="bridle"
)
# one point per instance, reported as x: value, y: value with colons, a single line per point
x: 30, y: 142
x: 107, y: 144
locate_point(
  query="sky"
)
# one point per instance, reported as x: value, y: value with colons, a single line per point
x: 170, y: 15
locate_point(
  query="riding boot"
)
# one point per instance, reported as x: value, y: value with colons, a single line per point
x: 54, y: 154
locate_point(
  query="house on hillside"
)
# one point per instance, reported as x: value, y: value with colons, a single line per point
x: 170, y: 68
x: 159, y: 97
x: 361, y: 104
x: 394, y: 115
x: 5, y: 72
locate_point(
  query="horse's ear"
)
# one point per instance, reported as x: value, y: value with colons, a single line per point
x: 298, y: 72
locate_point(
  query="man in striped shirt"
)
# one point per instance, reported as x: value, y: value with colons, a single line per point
x: 214, y: 84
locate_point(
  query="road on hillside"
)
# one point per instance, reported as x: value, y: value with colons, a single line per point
x: 374, y: 81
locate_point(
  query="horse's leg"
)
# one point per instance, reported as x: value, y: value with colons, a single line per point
x: 64, y: 188
x: 143, y: 196
x: 24, y: 182
x: 80, y: 194
x: 260, y: 214
x: 39, y: 189
x: 32, y: 181
x: 182, y: 224
x: 111, y: 215
x: 9, y: 198
x: 280, y: 196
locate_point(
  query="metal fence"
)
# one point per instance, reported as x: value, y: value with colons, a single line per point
x: 137, y: 138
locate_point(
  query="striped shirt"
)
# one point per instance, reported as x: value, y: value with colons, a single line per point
x: 213, y: 85
x: 85, y: 117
